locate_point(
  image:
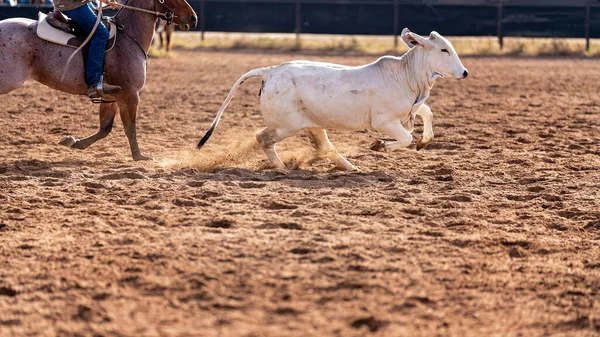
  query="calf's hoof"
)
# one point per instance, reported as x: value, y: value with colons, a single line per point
x: 421, y: 144
x: 378, y: 145
x: 67, y: 141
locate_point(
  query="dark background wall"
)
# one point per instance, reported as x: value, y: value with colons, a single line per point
x: 535, y: 18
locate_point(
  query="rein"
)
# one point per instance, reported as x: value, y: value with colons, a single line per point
x: 168, y: 16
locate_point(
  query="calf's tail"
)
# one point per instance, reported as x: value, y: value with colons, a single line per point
x: 259, y: 72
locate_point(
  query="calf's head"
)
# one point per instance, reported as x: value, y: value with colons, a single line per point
x: 438, y: 53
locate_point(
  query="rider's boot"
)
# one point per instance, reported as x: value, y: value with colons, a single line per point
x: 102, y: 89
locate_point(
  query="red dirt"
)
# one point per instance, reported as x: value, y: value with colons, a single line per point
x: 494, y: 229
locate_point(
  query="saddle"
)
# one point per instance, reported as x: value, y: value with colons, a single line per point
x: 55, y: 28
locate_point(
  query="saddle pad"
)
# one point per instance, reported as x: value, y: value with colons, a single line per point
x: 46, y: 32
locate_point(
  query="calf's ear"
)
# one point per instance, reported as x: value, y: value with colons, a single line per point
x: 404, y: 37
x: 414, y: 40
x: 434, y: 35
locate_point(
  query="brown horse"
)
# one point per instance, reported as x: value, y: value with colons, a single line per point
x: 24, y: 56
x: 165, y: 33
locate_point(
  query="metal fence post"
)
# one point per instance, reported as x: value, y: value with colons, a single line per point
x: 395, y: 24
x: 202, y: 20
x: 298, y: 23
x: 587, y: 27
x: 499, y: 25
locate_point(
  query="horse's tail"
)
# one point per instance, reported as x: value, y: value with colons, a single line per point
x: 259, y: 72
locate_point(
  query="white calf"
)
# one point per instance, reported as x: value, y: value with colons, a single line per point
x: 385, y: 95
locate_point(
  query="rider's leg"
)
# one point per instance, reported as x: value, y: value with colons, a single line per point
x: 85, y: 17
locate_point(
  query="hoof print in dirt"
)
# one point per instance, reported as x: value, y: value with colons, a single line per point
x: 188, y: 203
x: 281, y: 225
x: 8, y: 292
x: 196, y: 183
x: 123, y: 175
x: 444, y: 178
x: 517, y: 252
x: 286, y: 311
x: 301, y: 251
x: 592, y: 225
x: 279, y: 205
x: 247, y: 185
x: 371, y: 323
x: 84, y: 313
x: 221, y: 223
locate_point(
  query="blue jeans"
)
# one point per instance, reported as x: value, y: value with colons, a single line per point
x: 85, y: 17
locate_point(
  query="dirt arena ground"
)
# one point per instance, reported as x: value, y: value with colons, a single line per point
x: 493, y: 230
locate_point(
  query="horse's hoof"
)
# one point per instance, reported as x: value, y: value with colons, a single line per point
x: 139, y: 156
x: 378, y: 145
x: 67, y: 141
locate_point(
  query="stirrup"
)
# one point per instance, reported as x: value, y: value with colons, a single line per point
x: 100, y: 86
x: 104, y: 98
x: 100, y: 100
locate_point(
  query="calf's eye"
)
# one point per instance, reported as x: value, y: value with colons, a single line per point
x: 445, y: 51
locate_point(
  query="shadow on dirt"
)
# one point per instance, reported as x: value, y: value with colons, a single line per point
x: 300, y: 178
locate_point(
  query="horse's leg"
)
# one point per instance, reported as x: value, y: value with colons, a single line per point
x: 13, y: 74
x: 169, y: 33
x: 128, y: 111
x: 107, y: 117
x: 160, y: 35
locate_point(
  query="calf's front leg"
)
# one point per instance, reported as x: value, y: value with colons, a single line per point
x: 425, y: 113
x: 395, y: 129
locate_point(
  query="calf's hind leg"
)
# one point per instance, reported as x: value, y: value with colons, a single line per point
x: 267, y: 138
x: 320, y: 141
x: 107, y: 117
